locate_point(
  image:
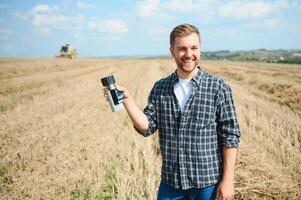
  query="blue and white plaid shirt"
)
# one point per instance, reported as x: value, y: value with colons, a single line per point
x: 192, y: 141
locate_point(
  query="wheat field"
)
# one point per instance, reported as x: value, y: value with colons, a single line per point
x: 60, y: 140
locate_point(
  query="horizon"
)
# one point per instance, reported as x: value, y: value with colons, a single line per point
x: 148, y: 56
x: 125, y: 28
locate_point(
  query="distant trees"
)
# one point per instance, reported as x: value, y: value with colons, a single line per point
x: 260, y: 55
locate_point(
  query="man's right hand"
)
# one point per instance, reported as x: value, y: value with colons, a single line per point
x: 138, y: 118
x: 125, y: 92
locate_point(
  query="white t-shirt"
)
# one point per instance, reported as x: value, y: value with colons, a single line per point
x: 182, y: 91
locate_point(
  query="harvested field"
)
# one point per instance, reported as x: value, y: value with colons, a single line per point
x: 60, y: 140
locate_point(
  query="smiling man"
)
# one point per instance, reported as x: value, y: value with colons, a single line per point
x: 198, y: 129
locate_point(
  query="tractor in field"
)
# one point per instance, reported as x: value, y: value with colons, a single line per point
x: 67, y: 51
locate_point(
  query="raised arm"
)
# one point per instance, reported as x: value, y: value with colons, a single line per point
x: 138, y: 118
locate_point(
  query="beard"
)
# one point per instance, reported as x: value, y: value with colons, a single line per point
x: 187, y: 67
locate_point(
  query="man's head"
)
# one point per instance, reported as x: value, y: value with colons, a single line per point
x: 183, y: 30
x: 185, y: 48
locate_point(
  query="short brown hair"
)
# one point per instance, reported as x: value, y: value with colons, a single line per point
x: 181, y: 31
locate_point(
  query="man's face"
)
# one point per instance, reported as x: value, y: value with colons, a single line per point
x: 186, y: 51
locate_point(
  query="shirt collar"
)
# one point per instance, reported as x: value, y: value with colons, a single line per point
x: 196, y: 80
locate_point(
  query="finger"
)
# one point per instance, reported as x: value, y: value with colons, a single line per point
x: 105, y: 94
x: 217, y: 197
x: 106, y: 97
x: 123, y: 90
x: 120, y: 88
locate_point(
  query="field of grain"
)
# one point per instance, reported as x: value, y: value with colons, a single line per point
x: 59, y: 139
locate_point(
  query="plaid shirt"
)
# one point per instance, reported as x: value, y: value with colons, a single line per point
x: 191, y: 141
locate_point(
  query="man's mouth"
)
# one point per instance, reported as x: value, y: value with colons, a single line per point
x: 188, y: 60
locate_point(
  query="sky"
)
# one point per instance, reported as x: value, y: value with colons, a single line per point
x: 107, y: 28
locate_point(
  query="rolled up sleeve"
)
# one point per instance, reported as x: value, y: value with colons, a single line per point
x: 227, y: 125
x: 151, y: 113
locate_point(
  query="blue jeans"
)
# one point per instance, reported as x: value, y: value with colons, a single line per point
x: 167, y: 192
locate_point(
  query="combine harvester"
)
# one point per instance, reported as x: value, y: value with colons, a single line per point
x: 67, y: 51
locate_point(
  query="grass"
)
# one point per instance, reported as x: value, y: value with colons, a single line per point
x: 81, y: 191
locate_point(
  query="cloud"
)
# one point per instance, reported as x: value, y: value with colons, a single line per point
x: 181, y: 5
x: 245, y: 9
x: 108, y: 26
x: 281, y: 4
x: 268, y: 25
x: 147, y: 8
x: 48, y: 18
x: 273, y: 23
x: 56, y: 21
x: 40, y: 9
x: 84, y: 6
x: 203, y: 10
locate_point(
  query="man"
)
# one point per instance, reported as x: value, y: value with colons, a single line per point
x: 198, y: 129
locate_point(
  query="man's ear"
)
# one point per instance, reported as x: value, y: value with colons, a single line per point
x: 171, y: 51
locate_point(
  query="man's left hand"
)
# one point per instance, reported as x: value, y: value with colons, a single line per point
x: 225, y: 191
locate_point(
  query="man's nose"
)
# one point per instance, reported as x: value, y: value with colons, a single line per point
x: 188, y: 53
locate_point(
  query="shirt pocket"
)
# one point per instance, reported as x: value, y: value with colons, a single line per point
x: 204, y: 115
